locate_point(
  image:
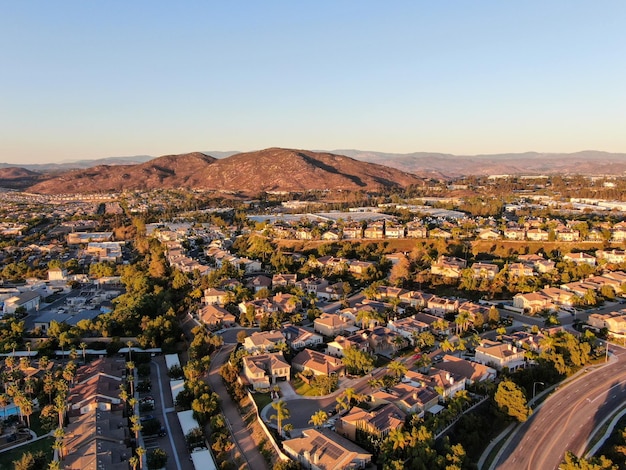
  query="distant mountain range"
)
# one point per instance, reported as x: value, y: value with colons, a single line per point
x: 293, y: 170
x: 273, y: 169
x: 589, y: 162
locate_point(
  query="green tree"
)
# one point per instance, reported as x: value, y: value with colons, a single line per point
x: 282, y: 413
x: 511, y: 400
x: 571, y: 462
x: 397, y: 368
x: 358, y: 362
x: 318, y: 418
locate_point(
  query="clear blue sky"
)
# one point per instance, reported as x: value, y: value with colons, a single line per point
x: 90, y: 79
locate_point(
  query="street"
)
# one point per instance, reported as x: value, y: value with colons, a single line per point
x: 566, y: 420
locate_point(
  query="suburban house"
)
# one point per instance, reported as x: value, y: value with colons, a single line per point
x: 414, y: 230
x: 287, y: 303
x: 322, y: 449
x: 298, y: 337
x: 532, y: 302
x: 484, y: 270
x: 216, y: 316
x: 580, y: 258
x: 377, y: 422
x: 330, y: 324
x: 408, y: 327
x: 520, y: 270
x: 448, y: 266
x: 614, y: 322
x: 559, y: 296
x: 612, y: 256
x: 341, y: 343
x: 263, y: 370
x: 471, y: 372
x: 384, y: 341
x: 284, y: 280
x: 317, y: 363
x: 413, y: 396
x: 259, y: 282
x: 537, y: 235
x: 215, y: 296
x: 261, y: 342
x: 441, y: 305
x: 416, y: 299
x: 499, y: 355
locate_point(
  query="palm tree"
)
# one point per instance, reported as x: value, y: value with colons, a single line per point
x: 131, y: 381
x: 59, y: 407
x: 43, y: 362
x: 133, y: 461
x: 342, y: 402
x: 462, y: 321
x: 27, y: 409
x: 59, y: 434
x: 397, y: 368
x: 129, y: 343
x: 318, y: 418
x: 140, y: 453
x: 54, y: 465
x: 4, y: 402
x: 446, y: 345
x: 282, y: 412
x: 397, y: 438
x: 135, y: 425
x: 375, y: 384
x: 83, y: 346
x: 439, y: 325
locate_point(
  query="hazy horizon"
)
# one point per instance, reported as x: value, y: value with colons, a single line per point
x: 85, y: 81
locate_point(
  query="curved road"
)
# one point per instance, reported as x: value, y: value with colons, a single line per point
x: 567, y: 419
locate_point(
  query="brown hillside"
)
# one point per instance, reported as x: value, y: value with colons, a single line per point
x: 272, y: 169
x: 170, y: 171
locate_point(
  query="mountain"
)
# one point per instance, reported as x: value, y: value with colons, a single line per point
x: 273, y: 169
x: 589, y: 162
x: 170, y: 171
x: 17, y: 177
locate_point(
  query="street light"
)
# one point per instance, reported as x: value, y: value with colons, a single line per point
x: 535, y: 387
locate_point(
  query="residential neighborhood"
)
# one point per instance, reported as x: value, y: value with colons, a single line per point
x: 373, y: 318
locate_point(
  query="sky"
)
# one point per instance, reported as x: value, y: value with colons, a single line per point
x: 84, y: 79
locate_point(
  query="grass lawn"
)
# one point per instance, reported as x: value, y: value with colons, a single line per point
x: 262, y: 400
x: 303, y: 388
x: 45, y: 445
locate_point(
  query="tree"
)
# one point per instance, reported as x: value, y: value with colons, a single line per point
x: 83, y: 346
x: 204, y: 406
x: 424, y: 340
x: 397, y: 368
x: 241, y: 336
x: 511, y: 400
x: 494, y: 315
x: 572, y: 462
x: 157, y: 459
x: 357, y: 361
x: 140, y: 453
x: 282, y: 412
x: 318, y: 418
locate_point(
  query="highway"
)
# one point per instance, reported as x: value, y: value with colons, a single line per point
x: 567, y: 419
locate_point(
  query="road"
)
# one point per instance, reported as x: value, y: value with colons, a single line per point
x: 238, y: 427
x: 567, y: 419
